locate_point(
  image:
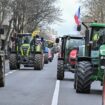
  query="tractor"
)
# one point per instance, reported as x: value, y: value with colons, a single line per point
x: 67, y: 56
x: 26, y: 50
x: 2, y: 58
x: 90, y: 67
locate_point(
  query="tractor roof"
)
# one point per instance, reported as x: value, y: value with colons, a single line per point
x: 74, y: 36
x: 25, y: 34
x: 97, y: 25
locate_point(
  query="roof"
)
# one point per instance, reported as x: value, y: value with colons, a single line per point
x: 97, y: 25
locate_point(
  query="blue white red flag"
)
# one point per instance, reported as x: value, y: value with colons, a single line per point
x: 77, y: 16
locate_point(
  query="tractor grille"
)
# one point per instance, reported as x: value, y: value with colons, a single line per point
x: 25, y: 51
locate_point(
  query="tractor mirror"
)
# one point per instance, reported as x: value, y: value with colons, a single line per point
x: 1, y: 30
x: 79, y: 28
x: 87, y: 36
x: 57, y: 40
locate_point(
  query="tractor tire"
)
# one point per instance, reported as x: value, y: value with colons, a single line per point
x: 103, y: 93
x: 42, y: 61
x: 13, y: 62
x: 38, y: 62
x: 46, y: 59
x: 75, y: 80
x: 2, y: 71
x: 60, y: 70
x: 83, y: 77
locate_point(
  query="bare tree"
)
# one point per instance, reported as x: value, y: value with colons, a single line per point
x: 94, y: 9
x: 28, y: 14
x: 4, y: 9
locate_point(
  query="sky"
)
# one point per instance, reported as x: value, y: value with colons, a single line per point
x: 68, y: 8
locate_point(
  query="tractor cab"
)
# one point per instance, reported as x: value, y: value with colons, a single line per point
x: 23, y: 44
x: 96, y: 41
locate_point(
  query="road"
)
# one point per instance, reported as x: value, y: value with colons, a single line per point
x: 30, y: 87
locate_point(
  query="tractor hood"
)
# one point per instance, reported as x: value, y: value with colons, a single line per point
x: 25, y: 49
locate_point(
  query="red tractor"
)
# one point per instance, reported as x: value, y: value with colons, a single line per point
x: 67, y: 56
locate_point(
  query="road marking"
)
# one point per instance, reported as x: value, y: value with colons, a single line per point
x: 56, y: 93
x: 10, y: 73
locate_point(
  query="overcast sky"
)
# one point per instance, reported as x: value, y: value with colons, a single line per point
x: 68, y: 10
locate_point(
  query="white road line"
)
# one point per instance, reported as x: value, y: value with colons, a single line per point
x: 56, y: 93
x: 10, y: 73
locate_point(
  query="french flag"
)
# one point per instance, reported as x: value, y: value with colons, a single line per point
x: 77, y: 16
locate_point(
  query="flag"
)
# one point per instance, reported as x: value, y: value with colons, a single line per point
x: 36, y: 32
x: 77, y: 16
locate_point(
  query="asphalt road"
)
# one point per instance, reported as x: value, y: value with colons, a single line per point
x: 30, y: 87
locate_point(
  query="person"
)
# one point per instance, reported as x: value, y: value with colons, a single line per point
x: 95, y: 39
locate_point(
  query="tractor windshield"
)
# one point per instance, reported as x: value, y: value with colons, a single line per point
x: 96, y: 33
x: 24, y: 39
x: 97, y: 36
x: 101, y: 36
x: 72, y: 43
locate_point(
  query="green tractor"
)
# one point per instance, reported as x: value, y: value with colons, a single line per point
x: 67, y: 56
x: 26, y: 50
x: 90, y: 67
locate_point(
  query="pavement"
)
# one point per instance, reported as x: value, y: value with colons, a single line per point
x: 33, y: 87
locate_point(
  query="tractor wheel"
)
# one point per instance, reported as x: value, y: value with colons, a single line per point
x: 38, y: 62
x: 83, y: 77
x: 13, y: 62
x: 2, y: 70
x: 60, y: 70
x: 75, y: 80
x: 46, y: 59
x: 42, y: 61
x: 103, y: 98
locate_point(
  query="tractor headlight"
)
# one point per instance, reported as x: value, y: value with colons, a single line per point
x: 102, y: 57
x: 102, y: 67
